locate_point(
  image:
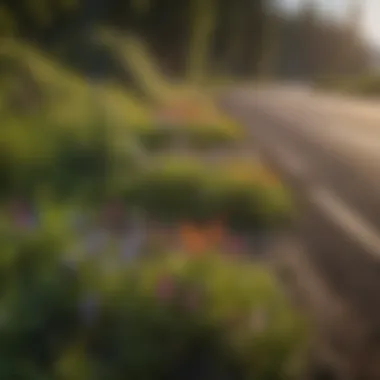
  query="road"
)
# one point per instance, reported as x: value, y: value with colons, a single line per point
x: 327, y: 148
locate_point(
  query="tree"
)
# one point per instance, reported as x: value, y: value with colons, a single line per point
x: 202, y: 24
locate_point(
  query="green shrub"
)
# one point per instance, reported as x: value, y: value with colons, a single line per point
x: 39, y: 301
x: 36, y: 153
x: 155, y: 138
x: 213, y: 135
x: 191, y: 190
x: 195, y: 136
x: 25, y: 149
x: 168, y: 317
x: 251, y: 205
x: 366, y: 85
x: 198, y: 319
x: 172, y: 191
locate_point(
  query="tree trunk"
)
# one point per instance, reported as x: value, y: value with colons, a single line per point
x: 202, y: 24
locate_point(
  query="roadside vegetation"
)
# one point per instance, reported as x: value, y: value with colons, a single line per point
x: 365, y: 85
x: 121, y: 231
x: 128, y: 215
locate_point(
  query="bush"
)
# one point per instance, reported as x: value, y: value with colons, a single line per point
x: 155, y: 138
x: 36, y: 153
x: 198, y: 136
x: 177, y: 190
x: 198, y: 319
x: 25, y: 149
x: 39, y: 301
x: 172, y: 191
x: 168, y: 317
x: 213, y: 135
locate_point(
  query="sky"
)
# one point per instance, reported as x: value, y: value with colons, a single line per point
x: 370, y: 22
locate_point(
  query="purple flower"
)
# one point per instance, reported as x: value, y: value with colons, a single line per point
x: 132, y: 244
x: 23, y: 215
x: 26, y: 221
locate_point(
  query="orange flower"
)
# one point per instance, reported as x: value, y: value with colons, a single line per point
x: 197, y: 239
x: 192, y: 239
x: 216, y: 232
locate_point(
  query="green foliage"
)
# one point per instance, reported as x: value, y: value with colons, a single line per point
x: 155, y: 138
x: 194, y: 136
x: 38, y: 305
x: 7, y: 22
x: 37, y: 154
x: 172, y: 191
x: 69, y: 310
x: 168, y: 317
x: 251, y: 203
x: 178, y: 189
x: 365, y: 85
x: 97, y: 153
x: 208, y: 136
x: 200, y: 318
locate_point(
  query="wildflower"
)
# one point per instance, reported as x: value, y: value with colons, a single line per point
x: 236, y: 246
x: 23, y: 216
x: 165, y: 288
x: 167, y: 116
x: 28, y: 222
x: 132, y: 243
x: 192, y: 300
x: 193, y: 240
x: 215, y: 232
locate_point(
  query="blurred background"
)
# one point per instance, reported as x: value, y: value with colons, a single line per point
x: 141, y: 231
x: 204, y: 42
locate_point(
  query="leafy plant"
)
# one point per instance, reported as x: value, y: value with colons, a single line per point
x: 178, y: 190
x: 198, y: 318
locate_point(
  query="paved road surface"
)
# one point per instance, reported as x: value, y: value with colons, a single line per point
x: 328, y: 149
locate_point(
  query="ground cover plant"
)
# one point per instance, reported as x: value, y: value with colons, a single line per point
x: 91, y: 286
x: 98, y: 315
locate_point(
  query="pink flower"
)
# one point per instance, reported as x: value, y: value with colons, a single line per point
x: 236, y: 246
x: 24, y: 216
x: 192, y: 301
x: 165, y: 288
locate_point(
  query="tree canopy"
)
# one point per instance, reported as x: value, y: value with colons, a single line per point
x: 194, y: 37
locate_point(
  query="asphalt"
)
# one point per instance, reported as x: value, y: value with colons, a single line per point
x: 327, y: 149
